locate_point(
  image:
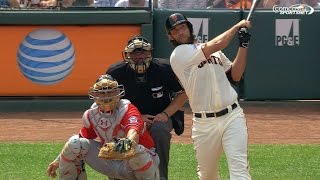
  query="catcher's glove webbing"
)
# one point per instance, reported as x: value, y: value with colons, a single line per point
x: 122, y: 148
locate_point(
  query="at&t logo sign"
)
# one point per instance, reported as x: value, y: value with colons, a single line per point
x: 46, y: 56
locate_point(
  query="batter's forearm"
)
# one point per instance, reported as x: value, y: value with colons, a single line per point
x: 176, y: 103
x: 239, y: 64
x: 220, y: 42
x: 223, y: 40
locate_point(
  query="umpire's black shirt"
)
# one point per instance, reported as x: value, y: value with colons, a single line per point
x: 154, y: 95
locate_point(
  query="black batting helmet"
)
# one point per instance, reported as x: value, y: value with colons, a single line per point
x: 176, y: 19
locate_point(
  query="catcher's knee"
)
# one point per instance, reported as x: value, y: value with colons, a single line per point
x: 71, y: 164
x: 78, y: 146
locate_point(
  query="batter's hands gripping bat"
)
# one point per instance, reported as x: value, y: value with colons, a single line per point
x: 243, y: 33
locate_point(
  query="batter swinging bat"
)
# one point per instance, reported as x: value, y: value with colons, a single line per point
x: 253, y: 7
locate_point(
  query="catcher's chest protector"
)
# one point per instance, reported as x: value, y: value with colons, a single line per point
x: 107, y: 127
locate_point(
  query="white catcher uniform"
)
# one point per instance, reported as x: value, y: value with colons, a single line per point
x: 142, y: 166
x: 218, y: 122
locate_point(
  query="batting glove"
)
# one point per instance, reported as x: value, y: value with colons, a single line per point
x: 244, y: 37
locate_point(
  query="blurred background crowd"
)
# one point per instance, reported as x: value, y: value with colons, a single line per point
x: 165, y: 4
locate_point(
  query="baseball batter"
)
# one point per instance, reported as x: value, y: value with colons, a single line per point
x: 205, y: 73
x: 109, y: 118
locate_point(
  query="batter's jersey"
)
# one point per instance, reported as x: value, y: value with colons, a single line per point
x: 125, y: 117
x: 154, y: 95
x: 204, y: 80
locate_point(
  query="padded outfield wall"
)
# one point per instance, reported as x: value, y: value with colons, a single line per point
x: 283, y: 56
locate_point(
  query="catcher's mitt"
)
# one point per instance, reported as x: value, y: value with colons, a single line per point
x: 123, y: 148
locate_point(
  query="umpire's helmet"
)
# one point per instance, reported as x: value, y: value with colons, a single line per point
x: 138, y: 53
x: 176, y: 19
x: 106, y: 93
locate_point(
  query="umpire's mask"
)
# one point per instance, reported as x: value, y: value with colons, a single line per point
x: 138, y: 53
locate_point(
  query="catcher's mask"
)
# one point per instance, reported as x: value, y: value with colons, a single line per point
x: 138, y: 53
x: 106, y: 93
x: 175, y: 19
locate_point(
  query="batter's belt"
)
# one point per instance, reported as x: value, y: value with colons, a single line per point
x: 216, y: 114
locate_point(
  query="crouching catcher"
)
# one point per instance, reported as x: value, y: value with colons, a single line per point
x: 125, y: 149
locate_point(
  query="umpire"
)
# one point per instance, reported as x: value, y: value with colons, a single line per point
x: 150, y: 85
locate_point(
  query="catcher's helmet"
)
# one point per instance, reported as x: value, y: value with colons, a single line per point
x: 138, y: 53
x: 176, y: 19
x: 106, y: 93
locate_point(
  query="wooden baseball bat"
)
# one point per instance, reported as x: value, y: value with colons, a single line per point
x: 252, y: 8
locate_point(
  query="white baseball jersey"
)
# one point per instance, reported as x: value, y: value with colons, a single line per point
x: 204, y: 80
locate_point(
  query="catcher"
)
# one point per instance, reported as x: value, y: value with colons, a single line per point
x: 125, y: 150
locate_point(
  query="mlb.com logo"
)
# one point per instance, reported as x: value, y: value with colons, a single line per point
x: 200, y: 28
x: 287, y: 32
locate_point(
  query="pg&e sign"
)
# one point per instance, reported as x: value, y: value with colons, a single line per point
x: 287, y: 32
x: 200, y: 28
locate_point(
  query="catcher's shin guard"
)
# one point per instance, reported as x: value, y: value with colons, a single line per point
x: 145, y: 164
x: 71, y: 165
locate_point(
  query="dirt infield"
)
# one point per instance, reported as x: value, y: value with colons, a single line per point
x: 268, y: 123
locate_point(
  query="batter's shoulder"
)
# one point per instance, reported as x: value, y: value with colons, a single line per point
x: 184, y: 49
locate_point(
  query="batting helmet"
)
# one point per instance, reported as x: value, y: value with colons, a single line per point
x: 138, y: 53
x: 106, y: 93
x: 176, y: 19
